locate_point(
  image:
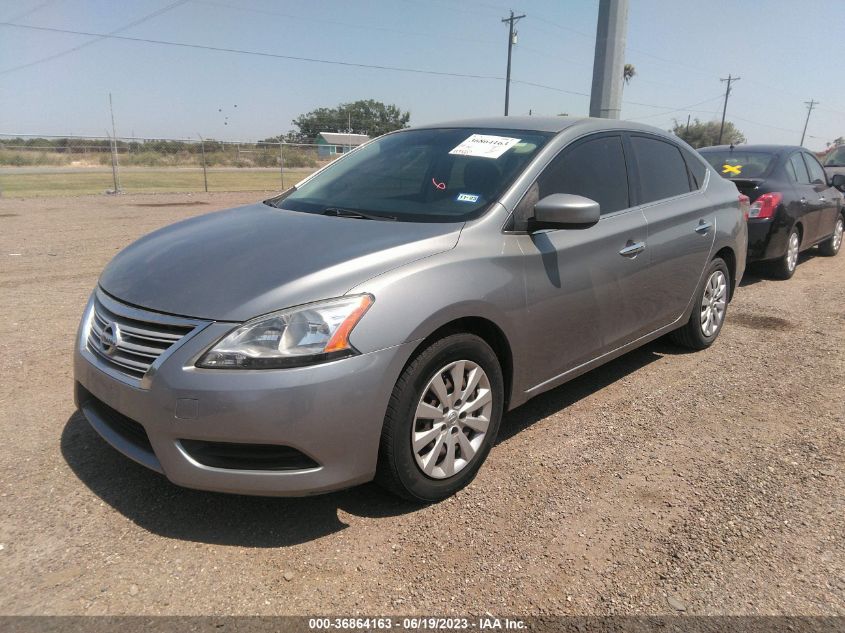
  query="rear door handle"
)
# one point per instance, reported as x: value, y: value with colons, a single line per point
x: 632, y: 249
x: 703, y: 227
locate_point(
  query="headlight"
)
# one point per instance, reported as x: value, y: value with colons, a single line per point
x: 294, y: 337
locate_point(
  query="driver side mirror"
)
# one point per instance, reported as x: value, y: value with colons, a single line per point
x: 838, y: 181
x: 560, y: 210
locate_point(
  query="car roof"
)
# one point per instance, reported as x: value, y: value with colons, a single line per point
x: 547, y: 124
x: 770, y: 149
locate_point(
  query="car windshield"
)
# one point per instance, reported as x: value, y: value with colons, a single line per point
x: 430, y: 175
x: 835, y: 158
x: 740, y: 163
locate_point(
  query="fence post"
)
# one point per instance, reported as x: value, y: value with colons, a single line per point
x: 282, y: 163
x: 204, y: 172
x: 114, y: 175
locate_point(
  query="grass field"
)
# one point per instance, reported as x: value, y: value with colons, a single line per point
x: 33, y: 183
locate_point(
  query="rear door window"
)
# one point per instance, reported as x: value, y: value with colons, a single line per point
x: 799, y: 169
x: 661, y: 169
x: 817, y: 176
x: 594, y: 169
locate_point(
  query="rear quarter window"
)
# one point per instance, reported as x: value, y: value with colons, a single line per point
x: 697, y: 168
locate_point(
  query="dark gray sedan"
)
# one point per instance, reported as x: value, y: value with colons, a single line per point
x: 378, y: 319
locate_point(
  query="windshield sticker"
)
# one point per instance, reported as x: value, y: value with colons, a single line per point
x: 735, y: 170
x: 467, y: 197
x: 485, y: 146
x: 438, y: 185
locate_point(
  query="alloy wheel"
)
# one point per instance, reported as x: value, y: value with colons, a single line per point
x: 837, y: 234
x: 792, y: 251
x: 713, y: 303
x: 451, y: 419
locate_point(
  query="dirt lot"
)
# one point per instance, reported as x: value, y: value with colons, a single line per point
x: 709, y: 481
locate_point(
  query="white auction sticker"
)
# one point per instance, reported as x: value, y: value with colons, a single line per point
x: 485, y: 146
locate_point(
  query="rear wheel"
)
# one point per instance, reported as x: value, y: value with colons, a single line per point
x: 442, y: 419
x: 710, y: 309
x: 831, y: 247
x: 784, y: 267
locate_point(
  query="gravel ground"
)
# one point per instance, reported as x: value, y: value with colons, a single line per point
x: 708, y: 483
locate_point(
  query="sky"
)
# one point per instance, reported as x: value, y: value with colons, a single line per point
x: 53, y: 83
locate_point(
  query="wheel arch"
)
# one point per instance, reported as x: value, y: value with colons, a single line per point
x: 800, y: 226
x: 727, y: 255
x: 485, y: 329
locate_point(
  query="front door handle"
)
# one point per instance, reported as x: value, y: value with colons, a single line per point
x: 632, y: 249
x: 703, y: 227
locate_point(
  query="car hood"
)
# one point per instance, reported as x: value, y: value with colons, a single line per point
x: 237, y: 264
x: 834, y: 170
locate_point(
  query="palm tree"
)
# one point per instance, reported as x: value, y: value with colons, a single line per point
x: 629, y: 72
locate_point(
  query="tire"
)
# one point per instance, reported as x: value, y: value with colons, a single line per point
x: 711, y: 299
x: 784, y: 267
x: 401, y: 469
x: 831, y: 247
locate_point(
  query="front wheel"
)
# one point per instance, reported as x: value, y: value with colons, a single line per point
x: 711, y: 306
x: 831, y: 246
x: 442, y: 419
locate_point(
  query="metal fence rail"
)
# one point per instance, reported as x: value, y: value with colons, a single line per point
x: 33, y: 165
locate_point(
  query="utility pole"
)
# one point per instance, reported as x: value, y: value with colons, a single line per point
x: 513, y: 19
x: 812, y: 103
x: 725, y: 107
x: 114, y: 166
x: 609, y: 60
x: 688, y: 118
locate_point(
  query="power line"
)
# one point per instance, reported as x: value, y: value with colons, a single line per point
x: 221, y: 49
x: 238, y: 51
x: 371, y: 27
x: 683, y: 109
x: 536, y: 85
x: 534, y: 18
x: 37, y: 7
x: 96, y: 39
x: 770, y: 126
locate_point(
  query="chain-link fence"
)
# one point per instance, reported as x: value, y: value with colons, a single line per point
x: 58, y: 166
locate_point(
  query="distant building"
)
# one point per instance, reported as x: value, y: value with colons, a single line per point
x: 330, y: 144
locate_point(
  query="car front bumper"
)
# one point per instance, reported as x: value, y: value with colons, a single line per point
x: 330, y: 413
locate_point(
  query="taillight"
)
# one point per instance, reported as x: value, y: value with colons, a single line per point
x: 744, y: 204
x: 765, y: 205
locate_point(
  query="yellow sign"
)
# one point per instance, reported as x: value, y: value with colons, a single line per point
x: 736, y: 170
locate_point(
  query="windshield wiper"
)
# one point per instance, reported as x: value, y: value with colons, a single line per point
x: 358, y: 215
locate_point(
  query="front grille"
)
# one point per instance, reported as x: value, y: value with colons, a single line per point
x: 136, y: 343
